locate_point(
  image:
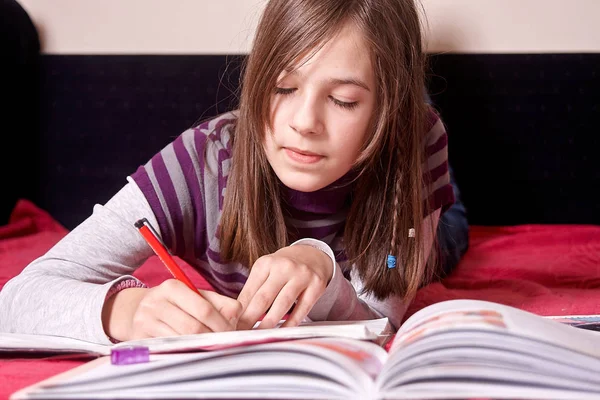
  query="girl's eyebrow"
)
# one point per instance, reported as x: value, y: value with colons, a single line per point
x: 349, y: 81
x: 336, y: 81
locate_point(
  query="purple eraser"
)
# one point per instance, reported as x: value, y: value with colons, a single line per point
x: 129, y: 355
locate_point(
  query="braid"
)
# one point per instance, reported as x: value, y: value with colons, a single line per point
x: 394, y: 244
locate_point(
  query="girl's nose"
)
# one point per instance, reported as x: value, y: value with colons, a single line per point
x: 306, y: 118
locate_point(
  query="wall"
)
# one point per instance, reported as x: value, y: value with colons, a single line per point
x: 227, y: 26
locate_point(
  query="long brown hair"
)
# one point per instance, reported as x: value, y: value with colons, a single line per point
x: 387, y: 200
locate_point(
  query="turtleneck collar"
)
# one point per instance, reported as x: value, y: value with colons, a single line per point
x: 328, y: 200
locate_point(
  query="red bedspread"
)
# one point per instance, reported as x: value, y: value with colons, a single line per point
x: 546, y: 269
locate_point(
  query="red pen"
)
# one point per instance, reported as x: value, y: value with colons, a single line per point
x: 162, y: 252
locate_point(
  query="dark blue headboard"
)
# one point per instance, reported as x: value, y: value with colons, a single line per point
x: 523, y: 134
x: 522, y: 128
x: 103, y: 116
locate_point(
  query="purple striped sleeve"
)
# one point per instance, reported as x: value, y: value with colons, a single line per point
x: 437, y: 189
x: 172, y: 183
x: 200, y: 236
x: 173, y: 204
x: 193, y: 176
x: 142, y: 179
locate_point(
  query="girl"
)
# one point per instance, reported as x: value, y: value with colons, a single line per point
x: 322, y: 193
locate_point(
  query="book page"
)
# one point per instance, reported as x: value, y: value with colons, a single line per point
x: 318, y: 368
x: 478, y: 344
x: 372, y: 330
x: 590, y: 322
x: 489, y: 316
x: 24, y: 343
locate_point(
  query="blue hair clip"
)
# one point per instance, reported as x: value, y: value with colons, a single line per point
x: 391, y: 261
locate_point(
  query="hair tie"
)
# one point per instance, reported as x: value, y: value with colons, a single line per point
x: 391, y: 261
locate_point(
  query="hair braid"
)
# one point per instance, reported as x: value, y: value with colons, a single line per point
x: 395, y: 244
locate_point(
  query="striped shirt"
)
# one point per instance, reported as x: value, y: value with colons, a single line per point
x: 185, y: 186
x: 181, y: 190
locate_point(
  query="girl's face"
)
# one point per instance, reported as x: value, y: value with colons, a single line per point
x: 321, y: 113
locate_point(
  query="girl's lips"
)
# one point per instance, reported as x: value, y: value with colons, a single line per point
x: 303, y: 157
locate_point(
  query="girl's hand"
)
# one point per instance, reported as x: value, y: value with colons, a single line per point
x: 294, y: 274
x: 167, y: 310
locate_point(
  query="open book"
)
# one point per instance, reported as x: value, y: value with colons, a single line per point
x: 591, y: 322
x: 377, y: 330
x: 452, y: 349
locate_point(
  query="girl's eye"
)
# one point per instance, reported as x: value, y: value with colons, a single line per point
x: 343, y: 104
x: 284, y: 91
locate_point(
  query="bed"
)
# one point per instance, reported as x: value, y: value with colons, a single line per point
x: 546, y: 269
x: 523, y: 144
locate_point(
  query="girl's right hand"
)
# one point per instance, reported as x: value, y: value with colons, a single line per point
x: 167, y: 310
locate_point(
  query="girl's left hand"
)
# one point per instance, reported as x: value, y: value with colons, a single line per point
x: 294, y: 274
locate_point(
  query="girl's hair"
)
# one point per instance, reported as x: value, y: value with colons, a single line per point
x: 388, y: 197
